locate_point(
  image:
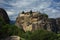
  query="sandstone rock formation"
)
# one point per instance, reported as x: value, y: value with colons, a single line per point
x: 4, y: 15
x: 30, y: 21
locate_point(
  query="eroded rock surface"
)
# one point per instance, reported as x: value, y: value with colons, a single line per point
x: 30, y: 21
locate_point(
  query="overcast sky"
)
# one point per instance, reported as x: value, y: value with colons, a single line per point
x: 13, y: 7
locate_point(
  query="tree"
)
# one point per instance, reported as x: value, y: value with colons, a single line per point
x: 10, y: 30
x: 30, y: 11
x: 23, y: 12
x: 26, y: 35
x: 2, y: 22
x: 58, y: 36
x: 45, y: 15
x: 43, y: 35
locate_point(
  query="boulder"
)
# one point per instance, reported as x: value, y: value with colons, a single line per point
x: 13, y: 38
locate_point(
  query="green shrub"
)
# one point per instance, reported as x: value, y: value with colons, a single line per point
x: 2, y: 22
x: 9, y: 30
x: 45, y: 15
x: 43, y: 35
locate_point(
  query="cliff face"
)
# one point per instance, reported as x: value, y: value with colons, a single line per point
x: 52, y: 24
x: 4, y: 15
x: 30, y: 21
x: 58, y: 24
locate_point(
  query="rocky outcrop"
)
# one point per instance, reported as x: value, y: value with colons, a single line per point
x: 4, y: 15
x: 30, y: 21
